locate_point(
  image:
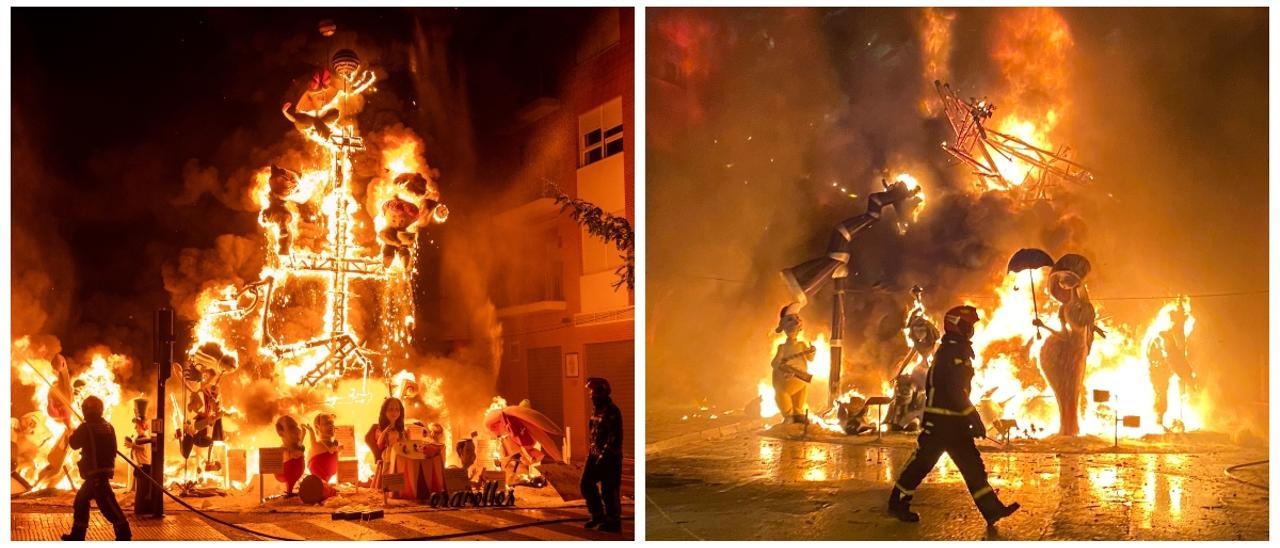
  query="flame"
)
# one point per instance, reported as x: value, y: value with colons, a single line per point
x: 919, y: 200
x: 1008, y: 382
x: 329, y: 227
x: 1117, y: 363
x: 97, y: 379
x: 1033, y: 50
x: 935, y: 51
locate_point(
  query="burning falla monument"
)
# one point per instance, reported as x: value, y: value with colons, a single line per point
x: 322, y: 323
x: 1051, y: 359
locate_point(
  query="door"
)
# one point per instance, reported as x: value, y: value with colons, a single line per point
x: 546, y: 390
x: 615, y: 361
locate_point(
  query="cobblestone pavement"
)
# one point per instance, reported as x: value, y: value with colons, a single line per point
x: 747, y: 486
x: 42, y: 522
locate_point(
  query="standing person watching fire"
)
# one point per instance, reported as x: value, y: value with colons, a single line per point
x: 951, y: 424
x: 95, y: 438
x: 790, y: 380
x: 604, y: 460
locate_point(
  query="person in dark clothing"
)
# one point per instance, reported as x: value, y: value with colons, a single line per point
x: 950, y: 425
x: 96, y: 441
x: 602, y: 477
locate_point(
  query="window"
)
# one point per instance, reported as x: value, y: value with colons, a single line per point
x: 600, y: 133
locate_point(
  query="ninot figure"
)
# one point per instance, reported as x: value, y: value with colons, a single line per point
x: 397, y: 237
x: 282, y: 184
x: 140, y: 446
x: 294, y: 454
x: 324, y: 448
x: 790, y: 379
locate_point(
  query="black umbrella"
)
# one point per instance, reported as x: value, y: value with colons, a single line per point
x: 1030, y: 259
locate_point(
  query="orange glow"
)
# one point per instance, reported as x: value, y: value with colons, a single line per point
x: 1033, y: 50
x: 935, y: 51
x: 1010, y: 385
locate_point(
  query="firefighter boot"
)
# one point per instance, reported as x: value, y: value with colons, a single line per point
x: 77, y: 532
x: 900, y: 507
x: 595, y: 521
x: 993, y: 510
x: 122, y: 531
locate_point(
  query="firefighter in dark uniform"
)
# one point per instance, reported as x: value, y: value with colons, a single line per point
x: 96, y: 440
x: 602, y: 477
x: 950, y: 424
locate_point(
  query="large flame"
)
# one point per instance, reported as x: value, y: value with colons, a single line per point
x: 1009, y: 378
x: 935, y: 52
x: 1009, y: 384
x: 1033, y: 50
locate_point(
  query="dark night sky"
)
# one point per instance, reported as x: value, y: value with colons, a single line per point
x: 109, y: 105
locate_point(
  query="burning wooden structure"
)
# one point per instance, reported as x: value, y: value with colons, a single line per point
x: 1003, y: 160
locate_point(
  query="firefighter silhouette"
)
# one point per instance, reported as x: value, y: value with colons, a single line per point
x: 951, y: 424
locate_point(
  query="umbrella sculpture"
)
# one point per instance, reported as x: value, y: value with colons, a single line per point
x: 522, y: 426
x: 1030, y: 259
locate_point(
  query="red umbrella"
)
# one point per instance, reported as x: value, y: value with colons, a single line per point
x: 525, y: 426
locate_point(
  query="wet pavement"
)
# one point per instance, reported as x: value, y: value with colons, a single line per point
x: 749, y: 486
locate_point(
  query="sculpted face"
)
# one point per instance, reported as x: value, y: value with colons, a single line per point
x: 919, y: 332
x: 394, y: 411
x: 324, y: 426
x: 791, y: 324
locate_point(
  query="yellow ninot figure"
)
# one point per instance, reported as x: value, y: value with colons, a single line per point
x: 790, y: 379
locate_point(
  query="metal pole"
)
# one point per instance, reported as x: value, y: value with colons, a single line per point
x: 880, y: 426
x: 163, y: 358
x: 1117, y: 421
x: 837, y: 336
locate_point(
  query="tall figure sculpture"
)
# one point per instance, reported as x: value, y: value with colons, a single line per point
x: 1066, y: 350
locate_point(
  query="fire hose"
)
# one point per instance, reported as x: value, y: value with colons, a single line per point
x: 144, y: 472
x: 1231, y: 469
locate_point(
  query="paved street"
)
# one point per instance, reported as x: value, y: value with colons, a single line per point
x: 43, y: 522
x: 748, y: 486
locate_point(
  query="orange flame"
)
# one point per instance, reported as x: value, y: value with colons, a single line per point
x: 935, y: 50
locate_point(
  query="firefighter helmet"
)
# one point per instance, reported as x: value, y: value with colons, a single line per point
x: 599, y: 386
x: 961, y: 320
x: 91, y: 407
